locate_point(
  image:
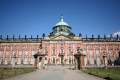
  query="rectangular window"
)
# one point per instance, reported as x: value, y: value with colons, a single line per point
x: 91, y: 60
x: 83, y: 46
x: 46, y: 45
x: 69, y: 44
x: 53, y: 51
x: 61, y: 44
x: 77, y: 45
x: 6, y: 60
x: 91, y: 53
x: 7, y: 54
x: 98, y: 60
x: 84, y: 52
x: 32, y: 60
x: 14, y: 52
x: 0, y: 60
x: 62, y: 50
x: 20, y: 53
x: 103, y: 51
x: 97, y: 46
x: 46, y: 51
x: 53, y: 45
x: 110, y: 52
x: 90, y: 46
x: 45, y: 58
x: 33, y: 46
x: 27, y: 53
x: 13, y: 61
x: 1, y: 53
x: 102, y: 45
x: 117, y: 53
x: 78, y: 49
x: 33, y: 52
x: 19, y: 60
x: 70, y: 51
x: 26, y: 60
x: 97, y: 52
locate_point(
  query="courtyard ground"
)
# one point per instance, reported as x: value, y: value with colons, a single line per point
x: 56, y: 73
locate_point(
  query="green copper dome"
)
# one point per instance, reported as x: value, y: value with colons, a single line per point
x: 61, y: 22
x: 61, y: 28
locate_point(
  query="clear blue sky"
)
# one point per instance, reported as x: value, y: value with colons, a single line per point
x: 32, y: 17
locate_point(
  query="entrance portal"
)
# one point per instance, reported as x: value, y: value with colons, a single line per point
x: 62, y: 60
x: 40, y: 62
x: 78, y: 62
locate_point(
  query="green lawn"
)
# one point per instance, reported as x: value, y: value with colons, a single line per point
x: 107, y: 74
x: 10, y: 73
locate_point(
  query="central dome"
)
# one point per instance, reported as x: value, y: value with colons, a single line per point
x: 61, y: 28
x: 61, y: 22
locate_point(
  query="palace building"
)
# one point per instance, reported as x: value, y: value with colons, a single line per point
x: 60, y: 47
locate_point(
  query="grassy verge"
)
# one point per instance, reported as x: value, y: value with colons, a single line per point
x: 107, y: 74
x: 10, y: 73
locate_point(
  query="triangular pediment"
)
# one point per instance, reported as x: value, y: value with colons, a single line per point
x: 61, y: 37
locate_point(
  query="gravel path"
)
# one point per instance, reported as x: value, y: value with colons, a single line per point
x: 55, y: 73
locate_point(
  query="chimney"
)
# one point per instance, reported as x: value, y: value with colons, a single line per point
x: 80, y: 35
x: 7, y: 37
x: 43, y: 35
x: 13, y: 37
x: 117, y: 37
x: 19, y: 37
x: 98, y: 37
x: 25, y: 37
x: 86, y: 36
x: 104, y: 37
